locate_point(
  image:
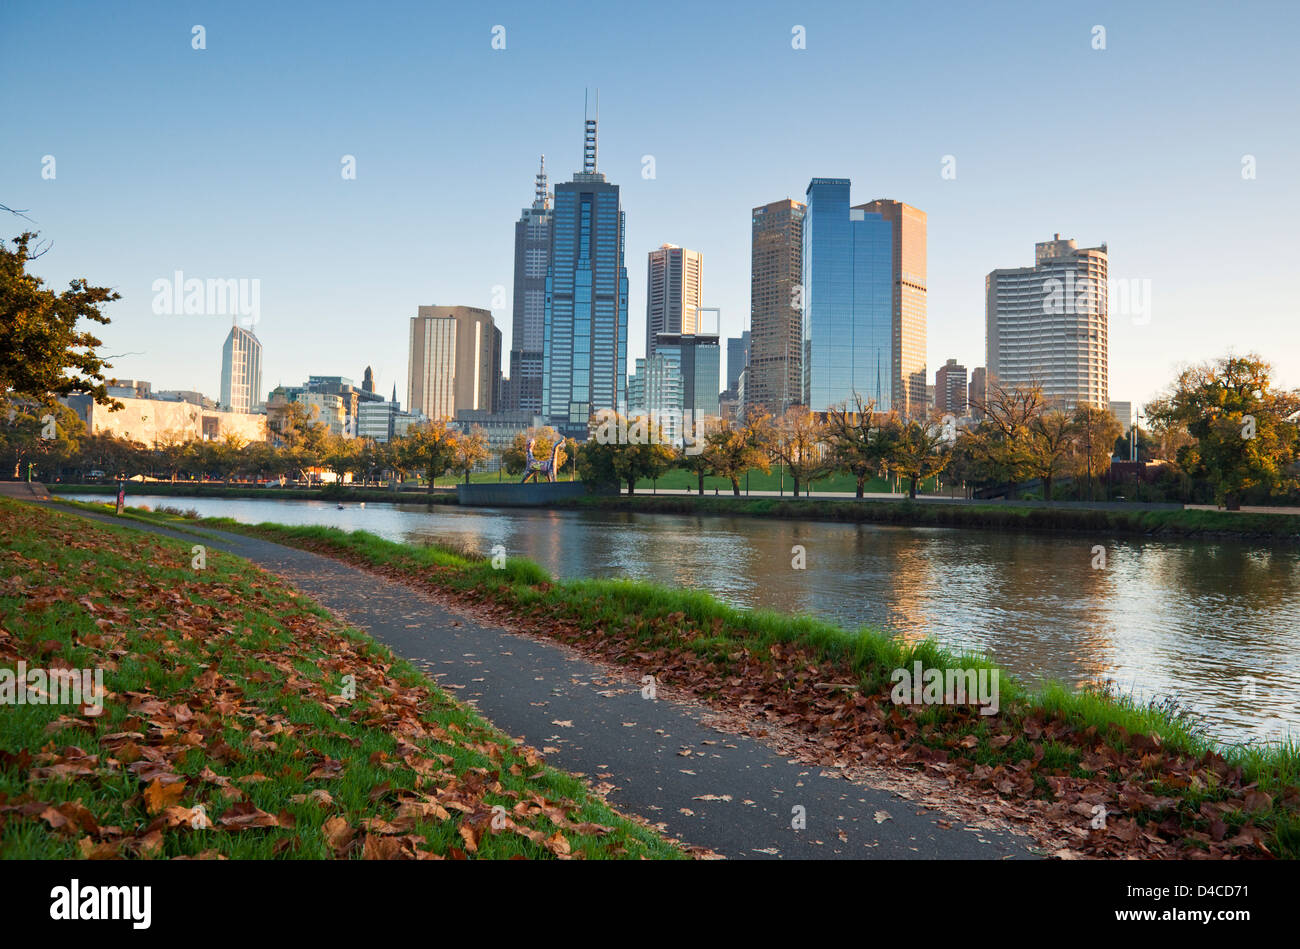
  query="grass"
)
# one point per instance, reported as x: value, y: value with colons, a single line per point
x: 229, y: 692
x: 1171, y: 523
x: 1151, y: 755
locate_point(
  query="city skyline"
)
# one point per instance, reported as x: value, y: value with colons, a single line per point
x: 328, y: 257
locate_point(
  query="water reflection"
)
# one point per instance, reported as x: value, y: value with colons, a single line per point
x: 1190, y: 620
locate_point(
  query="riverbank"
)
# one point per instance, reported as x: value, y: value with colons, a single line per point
x: 1112, y: 520
x: 969, y: 515
x: 240, y: 720
x: 1051, y: 757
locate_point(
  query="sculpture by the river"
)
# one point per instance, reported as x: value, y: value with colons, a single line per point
x: 533, y: 467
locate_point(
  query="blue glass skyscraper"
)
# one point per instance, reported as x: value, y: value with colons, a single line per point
x: 584, y: 355
x: 848, y: 285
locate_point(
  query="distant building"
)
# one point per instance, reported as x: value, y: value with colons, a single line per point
x: 584, y: 352
x: 241, y: 371
x: 1048, y: 324
x: 455, y: 361
x: 737, y: 360
x: 950, y: 389
x: 678, y: 384
x: 674, y: 278
x: 155, y: 422
x: 1123, y: 412
x: 908, y: 316
x: 775, y: 317
x: 500, y: 429
x: 376, y: 420
x: 848, y: 293
x: 532, y: 257
x: 368, y: 380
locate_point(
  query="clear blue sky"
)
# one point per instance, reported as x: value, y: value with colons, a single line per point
x: 225, y: 162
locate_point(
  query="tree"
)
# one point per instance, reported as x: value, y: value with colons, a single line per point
x: 471, y: 450
x: 798, y: 443
x: 622, y: 453
x: 430, y: 448
x: 918, y: 449
x: 734, y: 451
x: 44, y: 434
x: 1007, y: 444
x: 697, y: 459
x: 854, y: 438
x: 42, y: 352
x: 340, y: 456
x: 1051, y: 440
x: 1095, y: 432
x: 1245, y: 430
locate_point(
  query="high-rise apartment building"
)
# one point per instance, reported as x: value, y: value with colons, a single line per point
x: 584, y: 345
x: 950, y: 389
x: 848, y: 294
x: 1049, y: 324
x: 674, y: 277
x: 908, y: 251
x: 241, y: 371
x: 455, y: 361
x: 532, y: 257
x: 774, y: 380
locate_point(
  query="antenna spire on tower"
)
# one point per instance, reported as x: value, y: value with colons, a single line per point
x: 542, y: 198
x: 589, y: 136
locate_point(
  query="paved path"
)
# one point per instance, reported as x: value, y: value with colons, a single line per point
x: 595, y: 725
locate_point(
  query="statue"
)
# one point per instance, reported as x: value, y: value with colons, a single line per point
x: 549, y: 467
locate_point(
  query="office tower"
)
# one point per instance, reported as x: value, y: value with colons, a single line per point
x: 584, y: 351
x: 673, y: 288
x: 775, y: 377
x: 455, y: 361
x: 1048, y: 324
x: 737, y: 360
x: 699, y: 358
x: 368, y: 380
x: 908, y: 253
x: 532, y: 256
x: 977, y: 391
x: 241, y: 371
x: 375, y: 420
x: 848, y: 292
x: 950, y: 389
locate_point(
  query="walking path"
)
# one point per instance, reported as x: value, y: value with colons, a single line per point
x: 656, y: 759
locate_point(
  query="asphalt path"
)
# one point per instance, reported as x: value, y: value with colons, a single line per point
x: 730, y: 794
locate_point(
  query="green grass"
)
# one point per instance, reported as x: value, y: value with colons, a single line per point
x: 131, y: 603
x: 632, y: 618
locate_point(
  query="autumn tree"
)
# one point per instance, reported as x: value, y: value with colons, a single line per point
x: 733, y: 451
x: 854, y: 438
x: 917, y: 449
x: 515, y: 458
x: 799, y: 443
x: 1007, y: 430
x: 623, y: 451
x: 1051, y: 440
x: 694, y: 456
x: 1095, y: 431
x: 1244, y: 430
x: 471, y: 450
x: 431, y: 448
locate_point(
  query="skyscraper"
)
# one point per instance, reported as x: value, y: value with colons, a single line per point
x: 908, y: 252
x: 737, y: 359
x: 584, y: 351
x: 673, y: 290
x: 455, y: 361
x: 848, y: 293
x: 532, y: 256
x: 977, y: 391
x: 774, y: 380
x: 1049, y: 324
x: 950, y: 389
x: 241, y: 371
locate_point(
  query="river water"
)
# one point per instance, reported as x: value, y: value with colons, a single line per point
x: 1205, y: 623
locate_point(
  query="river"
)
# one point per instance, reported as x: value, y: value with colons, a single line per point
x: 1205, y: 623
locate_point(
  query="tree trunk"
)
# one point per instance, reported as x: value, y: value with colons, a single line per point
x: 862, y: 486
x: 1047, y: 488
x: 701, y: 474
x: 631, y: 485
x: 911, y: 487
x: 795, y: 490
x: 735, y: 487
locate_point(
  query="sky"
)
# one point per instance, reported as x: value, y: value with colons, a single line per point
x: 227, y: 162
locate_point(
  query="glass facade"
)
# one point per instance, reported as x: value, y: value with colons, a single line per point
x: 848, y: 284
x: 584, y: 355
